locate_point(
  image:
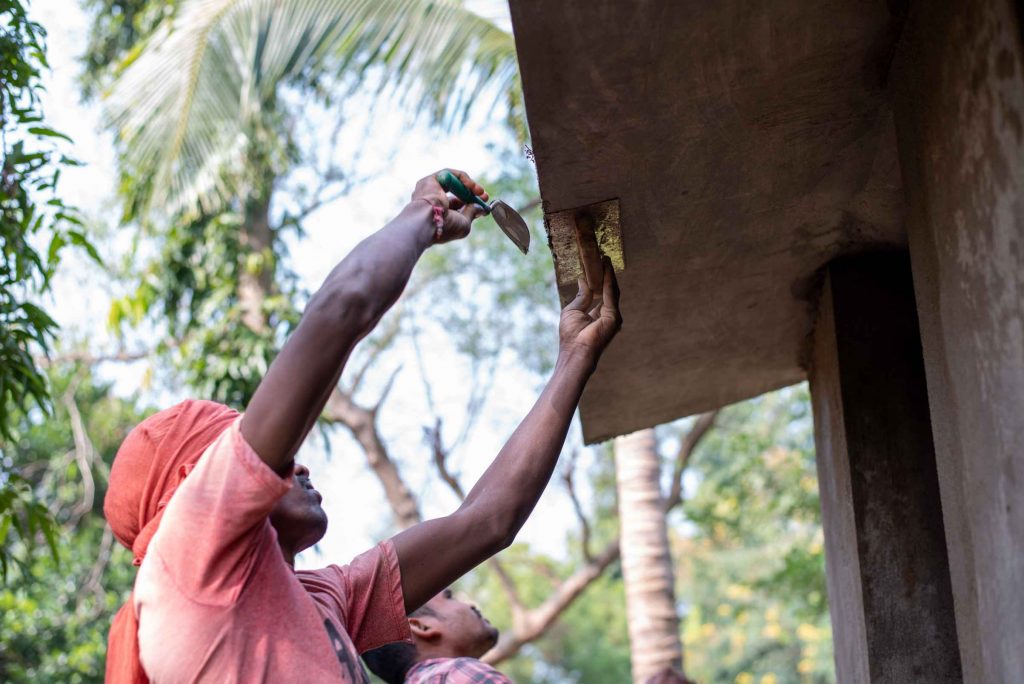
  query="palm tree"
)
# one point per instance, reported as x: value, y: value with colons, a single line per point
x: 646, y: 561
x: 203, y: 111
x: 197, y: 105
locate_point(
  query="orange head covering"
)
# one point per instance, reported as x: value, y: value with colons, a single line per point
x: 153, y: 460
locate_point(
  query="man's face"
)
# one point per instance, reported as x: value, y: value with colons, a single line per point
x: 466, y: 632
x: 298, y: 518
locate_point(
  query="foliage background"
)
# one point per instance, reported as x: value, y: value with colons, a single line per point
x: 479, y: 322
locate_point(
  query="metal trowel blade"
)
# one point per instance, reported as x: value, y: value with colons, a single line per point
x: 512, y: 224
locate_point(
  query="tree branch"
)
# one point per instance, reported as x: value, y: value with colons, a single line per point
x: 93, y: 582
x: 537, y: 620
x: 362, y: 423
x: 84, y: 453
x: 570, y: 487
x: 440, y: 454
x: 689, y: 442
x: 89, y: 358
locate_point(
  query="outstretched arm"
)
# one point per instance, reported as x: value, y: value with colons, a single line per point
x: 348, y: 305
x: 435, y: 553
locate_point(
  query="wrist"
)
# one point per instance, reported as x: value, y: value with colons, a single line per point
x: 576, y: 359
x: 419, y: 218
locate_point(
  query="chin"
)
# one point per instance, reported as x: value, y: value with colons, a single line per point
x: 492, y: 638
x: 318, y: 526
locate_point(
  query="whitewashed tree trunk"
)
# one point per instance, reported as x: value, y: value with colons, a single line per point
x: 646, y: 561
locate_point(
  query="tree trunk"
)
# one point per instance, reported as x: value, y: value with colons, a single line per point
x: 256, y: 279
x: 646, y: 562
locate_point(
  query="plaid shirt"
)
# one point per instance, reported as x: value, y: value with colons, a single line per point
x: 454, y: 671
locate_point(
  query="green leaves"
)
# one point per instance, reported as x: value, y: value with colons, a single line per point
x: 54, y: 613
x: 45, y: 132
x: 29, y: 212
x: 27, y: 516
x: 188, y: 107
x: 754, y: 564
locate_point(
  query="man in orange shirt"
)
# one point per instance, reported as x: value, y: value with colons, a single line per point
x: 215, y: 509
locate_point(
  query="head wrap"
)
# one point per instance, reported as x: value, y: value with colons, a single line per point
x: 153, y: 460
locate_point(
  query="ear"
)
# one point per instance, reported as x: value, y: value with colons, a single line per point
x: 425, y: 628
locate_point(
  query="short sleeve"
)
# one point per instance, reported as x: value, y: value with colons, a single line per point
x: 211, y: 525
x: 366, y: 595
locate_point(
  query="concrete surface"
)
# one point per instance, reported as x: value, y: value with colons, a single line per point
x: 749, y: 143
x: 842, y: 562
x: 960, y: 107
x: 887, y: 568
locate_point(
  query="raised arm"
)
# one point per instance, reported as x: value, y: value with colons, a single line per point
x: 435, y: 553
x: 348, y: 305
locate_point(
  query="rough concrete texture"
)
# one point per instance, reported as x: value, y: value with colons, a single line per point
x: 888, y: 573
x: 842, y: 562
x: 748, y: 143
x: 562, y: 240
x: 960, y: 116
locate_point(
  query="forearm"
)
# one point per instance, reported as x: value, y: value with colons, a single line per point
x: 501, y: 500
x: 352, y: 299
x: 508, y: 490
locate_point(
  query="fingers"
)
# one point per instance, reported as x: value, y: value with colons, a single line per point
x: 468, y: 181
x: 610, y: 296
x: 584, y: 296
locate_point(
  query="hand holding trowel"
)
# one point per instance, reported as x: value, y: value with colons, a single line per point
x: 507, y: 218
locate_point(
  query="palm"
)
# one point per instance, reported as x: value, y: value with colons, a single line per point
x: 584, y: 329
x: 189, y: 106
x: 587, y: 327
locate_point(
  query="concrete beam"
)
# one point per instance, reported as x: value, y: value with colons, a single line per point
x: 747, y: 144
x: 958, y: 91
x: 885, y: 551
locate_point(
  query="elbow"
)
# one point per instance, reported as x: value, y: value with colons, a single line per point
x: 495, y: 531
x: 342, y: 303
x: 504, y: 540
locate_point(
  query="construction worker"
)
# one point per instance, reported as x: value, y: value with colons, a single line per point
x: 215, y: 509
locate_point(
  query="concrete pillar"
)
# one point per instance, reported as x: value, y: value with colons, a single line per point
x: 885, y: 551
x: 958, y: 93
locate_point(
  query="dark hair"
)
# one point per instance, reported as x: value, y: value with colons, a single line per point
x: 391, y: 662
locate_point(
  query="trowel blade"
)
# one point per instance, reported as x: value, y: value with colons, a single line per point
x: 513, y: 225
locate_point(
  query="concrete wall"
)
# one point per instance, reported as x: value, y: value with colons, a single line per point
x: 888, y: 576
x: 958, y: 89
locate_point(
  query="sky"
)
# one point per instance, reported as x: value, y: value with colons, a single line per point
x: 352, y: 497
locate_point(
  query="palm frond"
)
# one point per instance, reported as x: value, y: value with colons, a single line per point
x: 186, y: 108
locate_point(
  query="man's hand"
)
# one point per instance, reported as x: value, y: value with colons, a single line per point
x: 457, y: 215
x: 585, y: 330
x: 355, y: 295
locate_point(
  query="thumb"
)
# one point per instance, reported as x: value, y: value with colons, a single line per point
x: 472, y: 211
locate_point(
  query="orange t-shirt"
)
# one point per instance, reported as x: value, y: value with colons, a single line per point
x: 217, y: 602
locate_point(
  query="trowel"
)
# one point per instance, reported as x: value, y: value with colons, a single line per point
x: 507, y: 218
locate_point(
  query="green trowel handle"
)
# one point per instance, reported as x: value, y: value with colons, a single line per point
x: 451, y: 183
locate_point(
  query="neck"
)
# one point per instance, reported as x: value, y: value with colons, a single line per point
x: 428, y: 651
x: 287, y: 551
